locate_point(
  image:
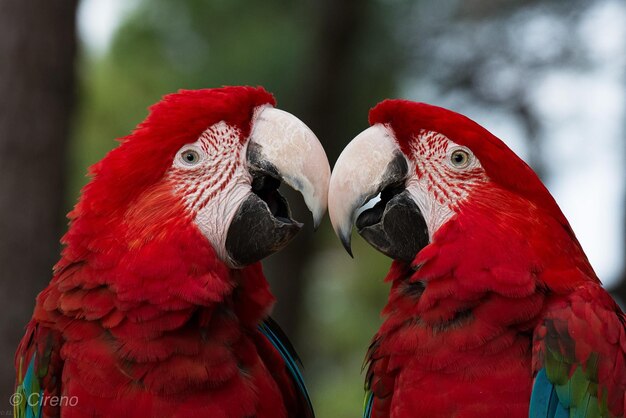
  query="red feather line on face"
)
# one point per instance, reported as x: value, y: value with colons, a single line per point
x: 503, y: 167
x: 179, y: 119
x: 447, y: 186
x: 223, y: 148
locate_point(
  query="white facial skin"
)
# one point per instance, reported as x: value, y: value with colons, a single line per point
x: 298, y: 156
x: 444, y: 175
x: 441, y: 174
x: 211, y: 176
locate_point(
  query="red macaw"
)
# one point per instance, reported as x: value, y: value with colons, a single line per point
x: 158, y: 306
x: 494, y: 309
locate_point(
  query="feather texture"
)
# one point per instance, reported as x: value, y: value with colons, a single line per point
x: 579, y: 347
x: 501, y: 313
x: 141, y: 317
x: 270, y: 329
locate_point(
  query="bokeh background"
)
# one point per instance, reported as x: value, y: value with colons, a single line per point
x: 548, y: 77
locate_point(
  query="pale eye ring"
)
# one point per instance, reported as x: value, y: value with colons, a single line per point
x: 190, y: 157
x: 460, y: 158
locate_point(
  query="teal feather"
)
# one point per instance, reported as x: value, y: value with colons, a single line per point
x: 568, y: 397
x: 29, y: 406
x: 270, y: 329
x: 544, y: 401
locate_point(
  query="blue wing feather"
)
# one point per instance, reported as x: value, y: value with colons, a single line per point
x: 27, y: 405
x: 270, y: 329
x: 544, y: 401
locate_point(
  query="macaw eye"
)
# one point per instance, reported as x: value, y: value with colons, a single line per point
x: 460, y: 158
x: 190, y: 157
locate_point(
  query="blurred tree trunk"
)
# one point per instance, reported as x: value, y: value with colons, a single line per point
x: 336, y: 32
x: 37, y: 50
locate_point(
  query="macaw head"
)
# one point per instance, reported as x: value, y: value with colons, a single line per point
x: 212, y: 159
x: 428, y: 164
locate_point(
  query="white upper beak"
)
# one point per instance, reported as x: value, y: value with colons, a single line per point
x: 359, y: 175
x: 297, y: 154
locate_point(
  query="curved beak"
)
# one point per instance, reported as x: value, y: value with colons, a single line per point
x: 281, y: 149
x: 282, y: 145
x: 373, y: 163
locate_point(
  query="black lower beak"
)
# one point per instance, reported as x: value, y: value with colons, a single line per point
x: 395, y: 226
x: 262, y: 224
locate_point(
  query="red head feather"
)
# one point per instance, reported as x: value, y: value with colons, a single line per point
x: 502, y: 165
x: 125, y: 206
x: 178, y: 119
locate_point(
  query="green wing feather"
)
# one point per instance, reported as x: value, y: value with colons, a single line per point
x: 580, y: 347
x: 35, y: 379
x: 28, y: 392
